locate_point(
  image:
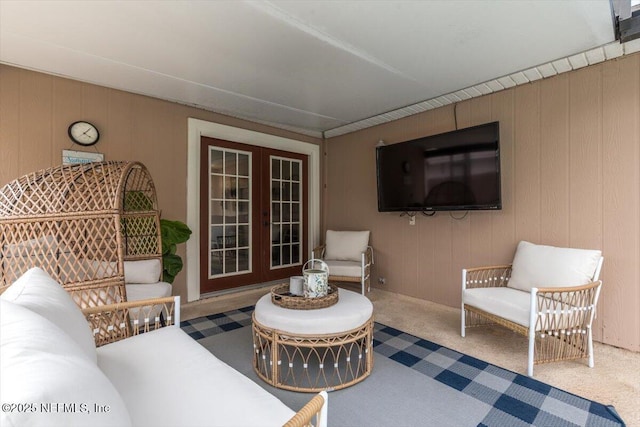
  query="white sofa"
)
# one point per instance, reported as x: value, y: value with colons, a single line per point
x: 548, y: 294
x: 52, y: 374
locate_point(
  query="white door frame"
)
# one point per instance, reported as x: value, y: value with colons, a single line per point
x: 199, y: 128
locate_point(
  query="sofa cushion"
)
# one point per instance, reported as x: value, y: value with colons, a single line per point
x: 142, y: 271
x: 46, y: 371
x: 37, y: 291
x: 537, y: 266
x: 29, y: 332
x: 346, y: 245
x: 151, y: 369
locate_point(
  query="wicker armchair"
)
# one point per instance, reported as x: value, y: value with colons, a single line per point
x: 557, y: 320
x: 348, y: 256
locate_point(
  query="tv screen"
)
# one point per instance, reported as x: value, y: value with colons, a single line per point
x: 458, y: 170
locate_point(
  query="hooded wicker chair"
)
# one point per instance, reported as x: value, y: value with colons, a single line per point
x: 80, y: 223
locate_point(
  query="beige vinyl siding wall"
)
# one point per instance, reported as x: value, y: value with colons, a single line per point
x: 36, y: 110
x: 570, y: 174
x: 570, y: 163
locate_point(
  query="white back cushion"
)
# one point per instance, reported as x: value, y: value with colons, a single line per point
x: 38, y: 292
x: 346, y: 245
x: 41, y: 364
x: 142, y: 271
x: 539, y: 266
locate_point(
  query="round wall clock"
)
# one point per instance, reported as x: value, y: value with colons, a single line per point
x: 83, y: 133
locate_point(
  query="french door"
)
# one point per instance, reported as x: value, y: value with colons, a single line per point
x: 253, y: 214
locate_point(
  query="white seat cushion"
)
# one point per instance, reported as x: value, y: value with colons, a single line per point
x: 510, y: 304
x: 145, y: 369
x: 38, y: 292
x: 351, y: 311
x: 537, y: 266
x: 344, y: 268
x: 41, y: 365
x: 346, y: 245
x: 514, y: 305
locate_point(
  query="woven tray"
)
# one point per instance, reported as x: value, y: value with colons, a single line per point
x: 281, y: 296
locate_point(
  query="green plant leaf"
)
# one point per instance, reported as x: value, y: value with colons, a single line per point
x: 172, y: 266
x: 168, y: 278
x: 173, y: 233
x: 172, y: 249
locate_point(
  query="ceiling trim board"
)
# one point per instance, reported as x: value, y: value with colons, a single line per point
x: 550, y: 69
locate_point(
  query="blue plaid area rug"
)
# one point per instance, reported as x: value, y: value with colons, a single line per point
x: 512, y: 399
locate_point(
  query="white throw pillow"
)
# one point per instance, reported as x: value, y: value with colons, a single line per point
x: 47, y: 373
x: 346, y: 245
x: 539, y: 266
x: 142, y: 271
x: 38, y: 292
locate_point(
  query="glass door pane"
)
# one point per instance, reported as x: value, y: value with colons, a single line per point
x: 286, y: 222
x: 230, y: 204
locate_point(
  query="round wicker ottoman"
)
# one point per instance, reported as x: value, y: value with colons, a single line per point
x: 312, y: 350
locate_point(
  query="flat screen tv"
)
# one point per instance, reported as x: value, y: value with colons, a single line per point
x: 458, y: 170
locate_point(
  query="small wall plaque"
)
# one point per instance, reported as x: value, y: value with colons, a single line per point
x: 71, y: 157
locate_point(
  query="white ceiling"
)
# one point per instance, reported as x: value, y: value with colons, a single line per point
x: 309, y: 66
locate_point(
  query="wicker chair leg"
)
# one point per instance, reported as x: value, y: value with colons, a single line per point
x: 590, y: 344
